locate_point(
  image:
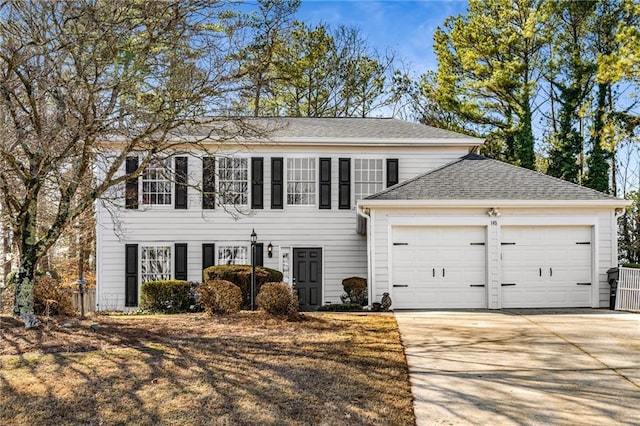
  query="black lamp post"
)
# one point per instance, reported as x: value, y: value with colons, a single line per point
x: 254, y: 239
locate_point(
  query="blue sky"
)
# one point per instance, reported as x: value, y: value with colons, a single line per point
x: 406, y: 27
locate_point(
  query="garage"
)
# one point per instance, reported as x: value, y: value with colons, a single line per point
x: 480, y: 233
x: 439, y: 267
x: 546, y: 266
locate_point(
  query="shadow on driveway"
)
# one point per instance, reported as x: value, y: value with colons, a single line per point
x: 570, y: 366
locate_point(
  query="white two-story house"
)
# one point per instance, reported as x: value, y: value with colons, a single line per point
x: 303, y: 188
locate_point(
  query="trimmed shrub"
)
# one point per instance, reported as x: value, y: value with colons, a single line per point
x: 277, y: 298
x: 341, y: 307
x: 166, y: 296
x: 355, y: 289
x: 240, y: 275
x: 220, y: 297
x: 48, y: 291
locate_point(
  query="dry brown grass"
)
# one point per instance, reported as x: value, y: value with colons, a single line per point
x: 248, y: 369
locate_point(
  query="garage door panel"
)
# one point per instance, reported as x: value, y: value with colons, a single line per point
x: 546, y: 264
x: 436, y: 267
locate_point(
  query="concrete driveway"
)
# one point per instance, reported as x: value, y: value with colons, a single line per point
x: 523, y: 366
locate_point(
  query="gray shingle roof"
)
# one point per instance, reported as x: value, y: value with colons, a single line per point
x: 331, y: 128
x: 474, y: 177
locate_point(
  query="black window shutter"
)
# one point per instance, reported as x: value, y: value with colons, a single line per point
x: 277, y: 182
x: 392, y: 171
x: 344, y: 183
x: 181, y: 182
x: 131, y: 275
x: 259, y: 254
x: 131, y: 185
x: 208, y: 256
x: 325, y: 183
x: 180, y: 272
x: 208, y: 183
x: 257, y: 184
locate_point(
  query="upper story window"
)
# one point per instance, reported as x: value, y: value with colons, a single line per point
x: 232, y: 255
x: 234, y: 180
x: 301, y: 181
x: 368, y: 177
x: 156, y: 184
x: 155, y: 263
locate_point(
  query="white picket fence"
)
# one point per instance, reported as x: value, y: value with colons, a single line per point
x: 628, y: 295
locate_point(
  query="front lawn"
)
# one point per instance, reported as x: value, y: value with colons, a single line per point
x: 248, y: 369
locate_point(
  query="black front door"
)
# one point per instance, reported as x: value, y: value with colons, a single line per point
x: 307, y: 275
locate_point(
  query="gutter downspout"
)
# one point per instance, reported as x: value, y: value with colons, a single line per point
x: 620, y: 212
x: 364, y: 213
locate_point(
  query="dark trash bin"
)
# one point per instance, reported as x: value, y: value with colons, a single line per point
x: 612, y: 276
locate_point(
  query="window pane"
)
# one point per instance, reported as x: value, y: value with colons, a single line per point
x: 156, y: 184
x: 233, y: 183
x: 367, y: 177
x: 155, y: 263
x: 301, y: 181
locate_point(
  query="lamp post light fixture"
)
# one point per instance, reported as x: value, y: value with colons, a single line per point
x: 270, y: 251
x: 254, y: 239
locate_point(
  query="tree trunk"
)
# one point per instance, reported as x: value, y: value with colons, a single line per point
x: 6, y: 250
x: 24, y: 300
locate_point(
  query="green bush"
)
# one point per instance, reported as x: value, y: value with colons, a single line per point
x: 355, y: 291
x: 240, y: 275
x: 631, y: 265
x: 277, y: 298
x: 220, y: 296
x: 168, y: 296
x: 341, y: 307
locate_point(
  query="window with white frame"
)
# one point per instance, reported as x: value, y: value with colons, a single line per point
x: 232, y: 255
x: 367, y: 177
x: 233, y: 180
x: 156, y: 184
x: 155, y: 263
x: 301, y: 181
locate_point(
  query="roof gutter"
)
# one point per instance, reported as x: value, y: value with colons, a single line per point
x: 291, y: 141
x: 612, y: 203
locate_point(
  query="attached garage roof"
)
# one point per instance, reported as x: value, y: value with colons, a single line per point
x: 474, y: 177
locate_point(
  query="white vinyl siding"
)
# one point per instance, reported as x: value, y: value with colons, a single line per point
x: 301, y: 181
x: 155, y: 263
x: 344, y: 251
x: 232, y: 255
x: 368, y: 177
x: 233, y: 179
x: 156, y: 184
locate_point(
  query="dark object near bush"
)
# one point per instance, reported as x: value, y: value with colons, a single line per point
x: 169, y: 297
x: 341, y: 307
x: 240, y: 275
x: 355, y: 289
x: 48, y: 291
x: 220, y: 297
x: 277, y: 299
x: 385, y: 302
x: 376, y: 307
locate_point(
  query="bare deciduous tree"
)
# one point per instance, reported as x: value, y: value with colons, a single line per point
x: 82, y: 86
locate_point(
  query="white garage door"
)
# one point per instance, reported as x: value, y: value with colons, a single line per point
x: 546, y: 267
x: 443, y: 267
